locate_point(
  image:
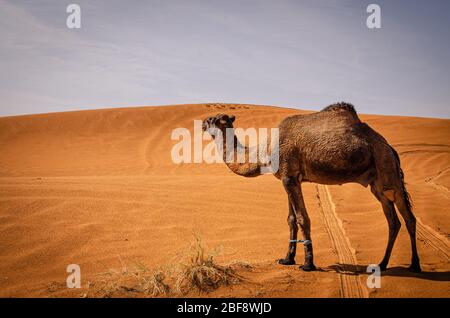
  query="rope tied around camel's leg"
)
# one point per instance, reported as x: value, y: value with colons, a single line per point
x: 305, y: 242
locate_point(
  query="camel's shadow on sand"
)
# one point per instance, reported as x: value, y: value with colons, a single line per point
x: 348, y: 269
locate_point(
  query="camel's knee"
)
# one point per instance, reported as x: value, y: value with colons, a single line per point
x: 405, y: 211
x: 292, y: 220
x: 303, y: 221
x: 411, y: 219
x: 411, y: 222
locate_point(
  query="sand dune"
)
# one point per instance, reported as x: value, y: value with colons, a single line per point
x: 97, y: 188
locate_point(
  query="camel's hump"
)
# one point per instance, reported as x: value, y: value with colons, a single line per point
x: 341, y: 107
x: 334, y: 115
x: 342, y: 110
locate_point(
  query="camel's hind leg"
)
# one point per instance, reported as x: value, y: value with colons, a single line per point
x: 390, y: 184
x: 403, y: 205
x: 393, y: 222
x: 292, y: 187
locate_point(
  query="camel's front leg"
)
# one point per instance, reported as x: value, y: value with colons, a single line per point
x: 293, y: 230
x: 292, y: 187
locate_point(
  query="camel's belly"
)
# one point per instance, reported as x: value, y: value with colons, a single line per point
x: 337, y: 163
x: 364, y: 178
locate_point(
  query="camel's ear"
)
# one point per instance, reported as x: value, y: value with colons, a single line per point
x: 231, y: 118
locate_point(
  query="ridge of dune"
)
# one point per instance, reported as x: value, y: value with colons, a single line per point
x: 132, y: 141
x: 92, y: 187
x: 118, y: 141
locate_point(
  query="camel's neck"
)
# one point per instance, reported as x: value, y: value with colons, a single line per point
x: 245, y: 168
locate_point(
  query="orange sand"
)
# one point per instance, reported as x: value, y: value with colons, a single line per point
x: 97, y: 188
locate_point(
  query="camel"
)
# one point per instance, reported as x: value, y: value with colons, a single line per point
x: 330, y: 147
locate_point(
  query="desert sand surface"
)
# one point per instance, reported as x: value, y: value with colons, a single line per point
x: 99, y: 189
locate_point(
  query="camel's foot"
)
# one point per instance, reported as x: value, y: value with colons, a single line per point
x: 286, y: 261
x: 308, y: 267
x: 415, y: 268
x: 382, y: 266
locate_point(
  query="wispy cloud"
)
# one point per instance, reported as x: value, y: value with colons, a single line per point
x: 289, y: 53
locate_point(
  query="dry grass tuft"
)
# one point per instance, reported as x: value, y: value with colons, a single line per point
x: 200, y: 272
x: 135, y: 280
x: 154, y: 284
x: 193, y: 270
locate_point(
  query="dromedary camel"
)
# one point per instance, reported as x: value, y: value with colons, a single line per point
x: 331, y: 147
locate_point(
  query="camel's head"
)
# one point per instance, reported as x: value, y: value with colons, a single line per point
x: 220, y: 121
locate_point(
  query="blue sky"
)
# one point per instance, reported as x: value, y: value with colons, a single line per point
x: 300, y: 54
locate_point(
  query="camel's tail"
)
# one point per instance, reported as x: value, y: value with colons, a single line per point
x: 405, y: 193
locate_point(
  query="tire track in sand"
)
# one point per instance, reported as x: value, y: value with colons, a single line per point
x: 441, y: 188
x: 350, y: 285
x: 427, y: 234
x: 434, y: 239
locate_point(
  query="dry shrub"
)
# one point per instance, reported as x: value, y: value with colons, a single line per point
x: 200, y: 272
x: 194, y: 269
x: 154, y: 284
x: 135, y: 279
